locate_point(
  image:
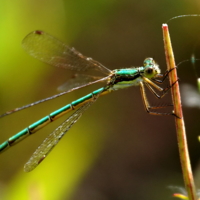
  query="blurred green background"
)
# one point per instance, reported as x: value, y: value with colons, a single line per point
x: 116, y: 151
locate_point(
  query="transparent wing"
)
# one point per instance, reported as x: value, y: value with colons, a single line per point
x: 52, y: 51
x: 77, y: 80
x: 50, y: 142
x: 52, y: 97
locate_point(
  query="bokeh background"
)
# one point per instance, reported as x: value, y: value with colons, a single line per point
x: 116, y: 151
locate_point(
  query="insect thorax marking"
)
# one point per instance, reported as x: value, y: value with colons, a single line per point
x: 121, y: 81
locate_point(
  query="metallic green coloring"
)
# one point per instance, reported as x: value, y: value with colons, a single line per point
x: 50, y: 50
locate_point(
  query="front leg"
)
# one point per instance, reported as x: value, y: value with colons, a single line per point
x: 163, y: 76
x: 147, y: 106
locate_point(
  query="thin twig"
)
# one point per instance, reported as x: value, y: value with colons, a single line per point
x: 180, y: 126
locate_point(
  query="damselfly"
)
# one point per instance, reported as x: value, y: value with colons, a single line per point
x: 50, y: 50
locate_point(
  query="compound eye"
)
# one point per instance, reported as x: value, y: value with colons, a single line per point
x: 149, y: 70
x: 148, y: 61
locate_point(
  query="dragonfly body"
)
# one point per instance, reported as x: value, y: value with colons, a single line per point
x: 49, y: 118
x: 119, y: 79
x: 66, y: 57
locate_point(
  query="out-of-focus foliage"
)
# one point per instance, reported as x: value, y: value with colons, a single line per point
x: 116, y: 151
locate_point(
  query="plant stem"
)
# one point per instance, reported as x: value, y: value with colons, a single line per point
x: 180, y: 126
